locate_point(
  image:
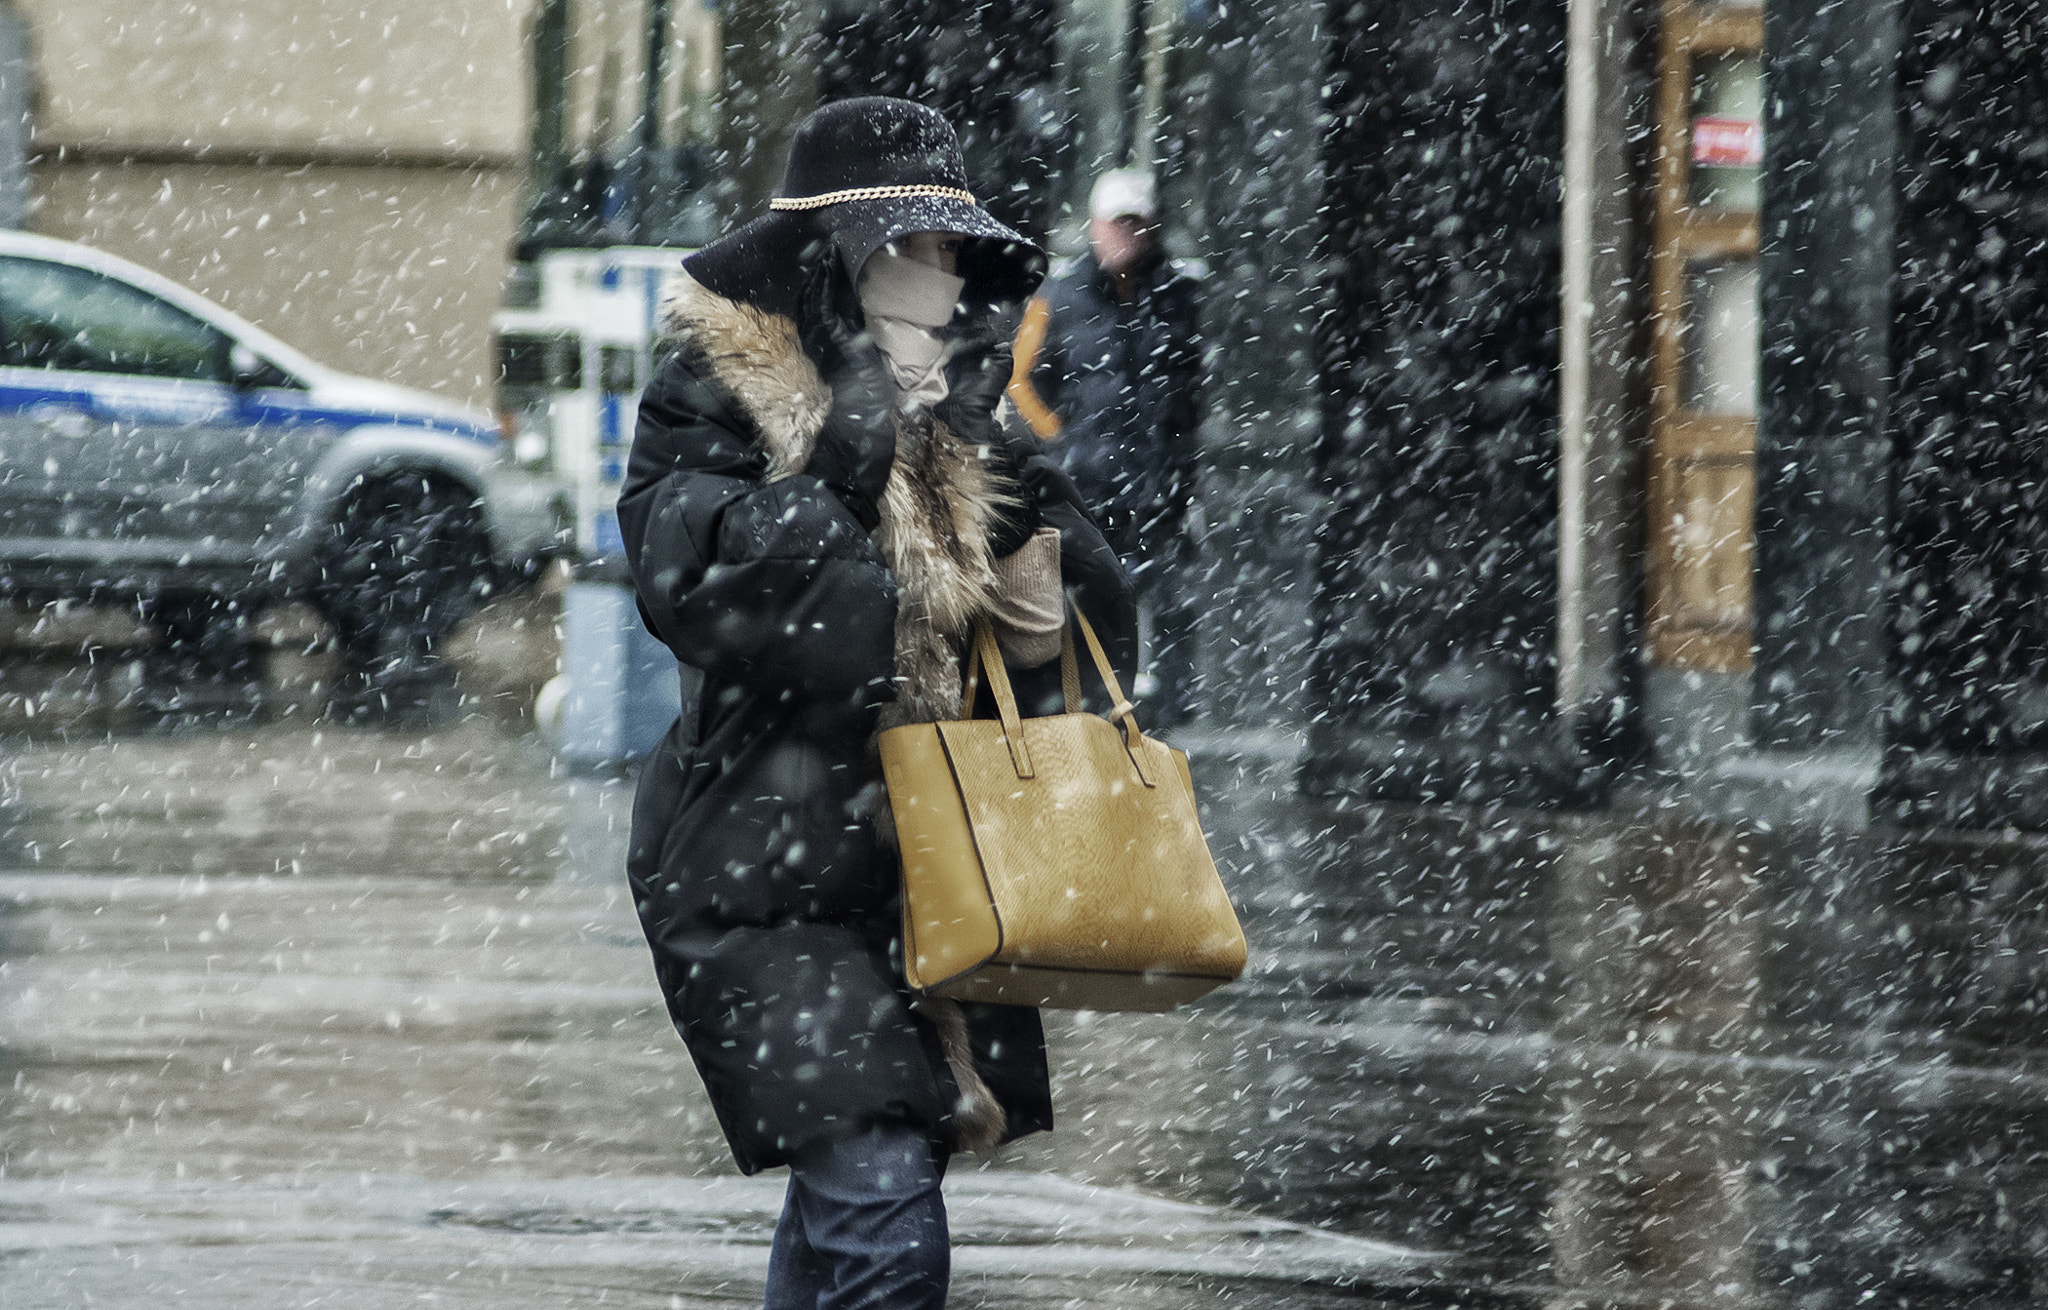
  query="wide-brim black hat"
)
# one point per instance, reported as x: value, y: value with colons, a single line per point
x: 861, y: 174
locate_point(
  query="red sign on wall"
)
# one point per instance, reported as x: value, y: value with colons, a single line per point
x: 1727, y: 142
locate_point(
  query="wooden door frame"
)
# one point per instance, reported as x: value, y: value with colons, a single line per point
x: 1683, y: 441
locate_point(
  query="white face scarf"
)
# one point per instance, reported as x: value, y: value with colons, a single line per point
x: 906, y: 302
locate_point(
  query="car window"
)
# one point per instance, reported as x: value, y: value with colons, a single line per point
x: 546, y: 362
x: 58, y: 316
x: 255, y: 373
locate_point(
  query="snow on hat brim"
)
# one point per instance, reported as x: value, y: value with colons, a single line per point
x: 897, y: 165
x: 764, y: 262
x: 998, y: 262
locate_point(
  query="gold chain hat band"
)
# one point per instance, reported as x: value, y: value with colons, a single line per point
x: 870, y: 193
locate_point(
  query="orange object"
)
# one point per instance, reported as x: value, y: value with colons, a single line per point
x: 1031, y: 340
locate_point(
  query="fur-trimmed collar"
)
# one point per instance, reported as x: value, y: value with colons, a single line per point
x: 756, y: 356
x: 936, y: 512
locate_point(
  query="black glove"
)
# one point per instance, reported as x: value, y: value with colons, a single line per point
x: 977, y: 374
x: 857, y: 444
x: 1006, y: 455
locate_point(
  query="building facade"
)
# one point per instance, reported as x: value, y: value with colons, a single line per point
x: 347, y: 176
x: 1604, y: 395
x: 1682, y: 408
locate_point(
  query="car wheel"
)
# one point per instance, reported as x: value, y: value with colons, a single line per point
x: 406, y: 560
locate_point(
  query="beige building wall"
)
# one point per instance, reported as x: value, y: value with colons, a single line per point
x: 390, y: 272
x: 347, y: 173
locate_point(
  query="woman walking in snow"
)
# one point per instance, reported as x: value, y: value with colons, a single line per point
x: 820, y: 504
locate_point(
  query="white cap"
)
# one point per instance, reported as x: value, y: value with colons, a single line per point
x: 1123, y: 191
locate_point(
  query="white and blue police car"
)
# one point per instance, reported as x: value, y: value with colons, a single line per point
x: 157, y: 449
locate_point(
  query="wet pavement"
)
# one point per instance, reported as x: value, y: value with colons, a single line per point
x: 325, y: 1016
x: 306, y: 1015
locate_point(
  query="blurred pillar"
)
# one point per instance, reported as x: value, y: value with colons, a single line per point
x: 1599, y: 372
x: 649, y: 174
x: 1262, y: 201
x: 1090, y: 36
x: 1436, y: 573
x: 1157, y: 32
x: 557, y: 213
x: 548, y: 152
x: 14, y: 117
x: 653, y: 76
x: 1823, y: 456
x: 1132, y: 149
x: 1968, y: 420
x: 771, y: 83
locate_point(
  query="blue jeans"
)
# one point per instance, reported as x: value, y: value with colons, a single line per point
x: 863, y: 1227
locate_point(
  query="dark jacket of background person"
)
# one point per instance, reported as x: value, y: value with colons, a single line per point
x: 769, y: 898
x: 1120, y: 387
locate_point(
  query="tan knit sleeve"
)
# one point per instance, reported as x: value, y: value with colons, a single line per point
x: 1029, y: 607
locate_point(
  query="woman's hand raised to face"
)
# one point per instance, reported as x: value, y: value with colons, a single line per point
x: 857, y: 443
x: 977, y: 375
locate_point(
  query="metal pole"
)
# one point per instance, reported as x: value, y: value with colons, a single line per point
x: 1598, y: 359
x: 1581, y: 94
x: 1133, y: 79
x: 650, y: 178
x: 14, y: 117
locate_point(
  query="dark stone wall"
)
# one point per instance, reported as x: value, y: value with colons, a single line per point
x: 1970, y: 351
x: 1902, y: 521
x: 1436, y: 574
x: 1247, y: 171
x: 1823, y: 495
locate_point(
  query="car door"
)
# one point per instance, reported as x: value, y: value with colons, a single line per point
x: 124, y: 441
x: 56, y: 494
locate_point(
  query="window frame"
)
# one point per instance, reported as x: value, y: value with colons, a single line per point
x: 224, y: 342
x: 1701, y: 467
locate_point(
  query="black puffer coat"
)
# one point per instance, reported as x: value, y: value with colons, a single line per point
x: 1125, y: 383
x: 769, y: 901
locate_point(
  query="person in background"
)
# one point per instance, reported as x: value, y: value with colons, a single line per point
x: 1109, y: 369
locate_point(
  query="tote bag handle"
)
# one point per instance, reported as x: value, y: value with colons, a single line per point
x: 984, y: 652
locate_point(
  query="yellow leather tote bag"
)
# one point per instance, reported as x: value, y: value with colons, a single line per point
x: 1054, y: 861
